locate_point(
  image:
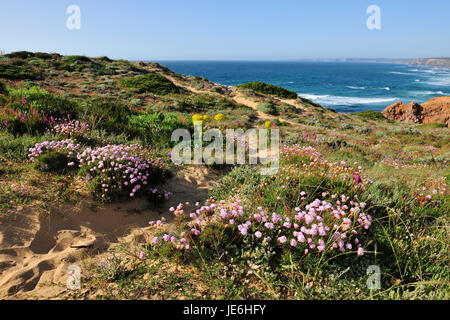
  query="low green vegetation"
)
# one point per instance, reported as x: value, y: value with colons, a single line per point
x: 153, y: 83
x: 370, y: 115
x: 269, y: 89
x: 3, y: 89
x: 267, y: 107
x: 17, y: 72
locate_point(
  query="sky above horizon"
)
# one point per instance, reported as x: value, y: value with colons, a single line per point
x: 228, y: 30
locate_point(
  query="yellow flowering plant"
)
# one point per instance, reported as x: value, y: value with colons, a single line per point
x: 219, y: 117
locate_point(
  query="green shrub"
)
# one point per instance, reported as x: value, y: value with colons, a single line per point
x: 267, y: 107
x: 153, y: 83
x: 46, y: 56
x: 76, y: 59
x: 288, y: 108
x: 31, y: 126
x: 369, y: 115
x: 17, y: 148
x: 269, y: 89
x: 309, y: 102
x: 77, y: 63
x: 3, y: 89
x: 20, y: 54
x: 242, y: 180
x: 363, y: 130
x: 104, y: 58
x: 46, y: 103
x: 55, y: 161
x: 109, y: 114
x: 16, y: 72
x: 433, y: 125
x: 156, y: 128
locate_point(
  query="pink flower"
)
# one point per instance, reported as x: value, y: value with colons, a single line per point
x: 360, y: 251
x: 293, y: 243
x: 282, y: 239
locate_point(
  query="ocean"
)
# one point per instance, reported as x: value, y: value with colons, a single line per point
x: 342, y: 86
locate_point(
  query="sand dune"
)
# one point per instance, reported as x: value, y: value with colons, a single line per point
x: 36, y: 249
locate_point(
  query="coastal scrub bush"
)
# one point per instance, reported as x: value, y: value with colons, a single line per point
x: 76, y: 63
x: 369, y: 115
x: 109, y: 114
x: 20, y: 54
x: 24, y: 124
x: 151, y: 82
x: 17, y: 72
x: 55, y: 161
x: 46, y: 56
x: 77, y: 59
x: 48, y: 104
x: 156, y: 128
x: 242, y: 179
x: 267, y: 107
x: 104, y: 59
x: 17, y: 148
x: 269, y: 89
x: 3, y: 89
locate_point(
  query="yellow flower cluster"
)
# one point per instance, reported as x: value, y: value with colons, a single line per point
x: 205, y: 118
x: 197, y: 117
x: 219, y: 117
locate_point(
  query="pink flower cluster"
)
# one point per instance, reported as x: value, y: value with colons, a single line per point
x: 3, y: 124
x: 65, y: 146
x: 291, y: 151
x: 312, y: 159
x: 322, y: 225
x: 71, y: 128
x: 121, y: 168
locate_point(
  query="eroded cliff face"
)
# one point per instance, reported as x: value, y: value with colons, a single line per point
x: 432, y: 62
x: 436, y: 110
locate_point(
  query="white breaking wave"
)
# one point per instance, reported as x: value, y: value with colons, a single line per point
x: 356, y: 88
x: 430, y: 71
x: 428, y: 92
x: 398, y: 72
x: 387, y: 88
x: 443, y: 80
x: 329, y: 100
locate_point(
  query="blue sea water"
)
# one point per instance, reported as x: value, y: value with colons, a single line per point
x: 342, y: 86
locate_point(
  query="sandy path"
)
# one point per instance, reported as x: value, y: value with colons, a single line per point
x: 238, y: 97
x: 35, y: 250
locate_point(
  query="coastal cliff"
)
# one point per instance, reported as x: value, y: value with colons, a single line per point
x: 435, y: 110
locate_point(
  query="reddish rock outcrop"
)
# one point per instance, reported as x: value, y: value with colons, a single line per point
x: 436, y: 110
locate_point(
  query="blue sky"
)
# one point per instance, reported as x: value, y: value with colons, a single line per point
x: 228, y: 30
